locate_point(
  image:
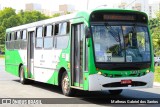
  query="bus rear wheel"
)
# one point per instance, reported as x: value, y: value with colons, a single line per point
x: 65, y: 84
x: 115, y: 92
x: 23, y: 80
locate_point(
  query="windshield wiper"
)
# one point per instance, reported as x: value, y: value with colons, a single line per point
x: 114, y: 34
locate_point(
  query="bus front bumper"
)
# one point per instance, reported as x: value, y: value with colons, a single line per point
x: 99, y: 82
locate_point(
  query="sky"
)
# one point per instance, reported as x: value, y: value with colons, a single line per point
x: 53, y: 4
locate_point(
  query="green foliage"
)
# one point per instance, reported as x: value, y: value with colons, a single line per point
x: 5, y: 14
x: 157, y: 74
x: 31, y: 16
x: 9, y: 18
x: 155, y: 33
x: 2, y: 48
x: 56, y: 15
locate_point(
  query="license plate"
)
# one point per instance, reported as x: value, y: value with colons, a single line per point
x: 126, y: 81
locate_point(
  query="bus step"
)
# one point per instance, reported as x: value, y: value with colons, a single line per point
x: 80, y: 88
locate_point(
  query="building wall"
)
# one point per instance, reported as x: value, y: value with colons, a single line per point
x: 66, y: 8
x: 33, y: 6
x: 139, y: 5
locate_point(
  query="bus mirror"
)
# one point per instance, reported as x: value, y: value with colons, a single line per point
x: 87, y: 32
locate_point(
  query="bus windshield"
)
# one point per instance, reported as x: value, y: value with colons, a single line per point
x: 122, y: 43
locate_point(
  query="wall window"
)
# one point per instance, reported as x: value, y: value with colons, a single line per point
x: 48, y: 37
x: 39, y: 37
x: 61, y: 35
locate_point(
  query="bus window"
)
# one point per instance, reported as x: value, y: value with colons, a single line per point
x: 18, y: 35
x: 39, y: 37
x: 17, y: 38
x: 63, y: 28
x: 7, y: 40
x: 12, y: 40
x: 12, y: 36
x: 56, y: 29
x: 61, y: 39
x: 24, y: 39
x: 24, y: 34
x: 8, y: 36
x: 48, y: 37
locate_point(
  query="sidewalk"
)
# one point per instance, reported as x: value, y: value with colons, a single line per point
x: 156, y: 84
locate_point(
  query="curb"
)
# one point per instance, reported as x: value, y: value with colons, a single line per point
x: 156, y: 84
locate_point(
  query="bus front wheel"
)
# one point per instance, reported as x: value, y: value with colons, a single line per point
x: 115, y: 92
x: 23, y: 80
x: 65, y: 84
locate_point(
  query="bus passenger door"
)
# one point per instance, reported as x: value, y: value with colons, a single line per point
x: 77, y: 55
x: 30, y: 53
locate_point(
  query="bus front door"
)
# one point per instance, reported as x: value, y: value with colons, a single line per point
x: 77, y: 55
x: 30, y: 53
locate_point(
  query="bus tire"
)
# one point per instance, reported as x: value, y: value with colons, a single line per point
x: 23, y: 80
x: 115, y: 92
x: 65, y: 85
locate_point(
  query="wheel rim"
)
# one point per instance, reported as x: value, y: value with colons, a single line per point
x: 65, y: 84
x: 21, y: 75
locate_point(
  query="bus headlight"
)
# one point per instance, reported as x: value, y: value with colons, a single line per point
x: 100, y: 73
x: 147, y: 71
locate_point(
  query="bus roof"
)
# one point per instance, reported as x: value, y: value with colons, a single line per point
x: 84, y: 14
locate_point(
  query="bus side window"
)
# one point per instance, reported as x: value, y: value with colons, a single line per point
x: 7, y: 40
x: 39, y: 37
x: 23, y: 41
x: 17, y: 40
x: 48, y: 36
x: 61, y: 35
x: 12, y: 40
x: 56, y: 29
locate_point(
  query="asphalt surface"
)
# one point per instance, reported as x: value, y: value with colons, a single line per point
x: 10, y: 87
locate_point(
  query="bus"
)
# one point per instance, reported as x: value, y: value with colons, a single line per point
x: 98, y: 50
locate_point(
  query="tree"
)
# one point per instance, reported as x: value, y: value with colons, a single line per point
x: 155, y: 33
x: 56, y: 15
x: 9, y: 18
x: 31, y: 16
x: 6, y: 13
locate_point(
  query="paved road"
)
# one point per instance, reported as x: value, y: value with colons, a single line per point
x: 10, y: 87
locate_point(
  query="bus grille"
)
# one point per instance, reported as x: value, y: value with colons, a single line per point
x: 118, y: 84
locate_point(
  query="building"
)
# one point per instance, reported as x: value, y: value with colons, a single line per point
x: 33, y: 6
x: 66, y: 8
x: 122, y: 5
x: 139, y: 5
x: 47, y: 12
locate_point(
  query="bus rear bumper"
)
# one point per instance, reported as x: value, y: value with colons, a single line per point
x: 99, y: 82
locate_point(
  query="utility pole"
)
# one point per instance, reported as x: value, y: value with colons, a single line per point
x: 87, y: 4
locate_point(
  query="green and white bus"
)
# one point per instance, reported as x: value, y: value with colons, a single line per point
x: 102, y: 49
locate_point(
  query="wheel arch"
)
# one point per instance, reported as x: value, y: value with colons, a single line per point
x: 60, y: 73
x: 19, y: 69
